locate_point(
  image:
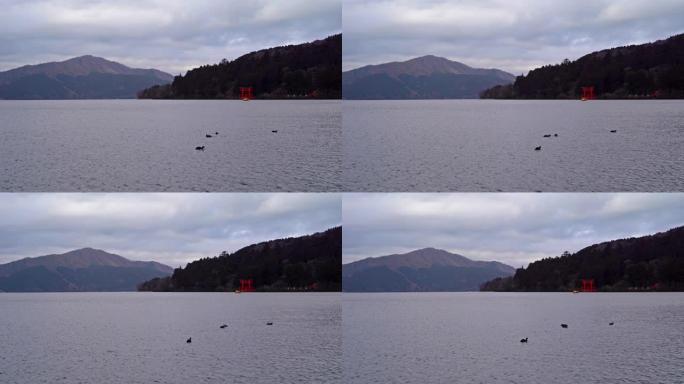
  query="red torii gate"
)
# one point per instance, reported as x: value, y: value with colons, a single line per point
x: 246, y: 285
x: 588, y: 93
x: 588, y: 285
x: 246, y: 93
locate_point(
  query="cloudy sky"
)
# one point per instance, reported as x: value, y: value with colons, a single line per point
x: 171, y: 35
x: 513, y: 35
x: 511, y: 228
x: 171, y: 228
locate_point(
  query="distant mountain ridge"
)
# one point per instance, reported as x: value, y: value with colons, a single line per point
x: 651, y: 70
x: 426, y: 269
x: 81, y: 77
x: 654, y: 262
x: 308, y: 70
x: 85, y: 269
x: 426, y: 77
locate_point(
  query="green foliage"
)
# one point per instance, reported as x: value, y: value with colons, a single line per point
x: 654, y: 70
x: 646, y: 263
x: 309, y: 262
x: 311, y: 70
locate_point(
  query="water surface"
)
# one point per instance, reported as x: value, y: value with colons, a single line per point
x: 149, y: 145
x: 475, y: 338
x: 488, y: 145
x: 141, y: 338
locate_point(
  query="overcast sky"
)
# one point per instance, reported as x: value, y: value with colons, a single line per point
x: 513, y: 35
x: 171, y: 228
x: 512, y: 228
x: 171, y: 35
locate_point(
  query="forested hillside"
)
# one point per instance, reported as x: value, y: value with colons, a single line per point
x: 646, y: 263
x: 312, y: 262
x: 310, y: 70
x: 654, y: 70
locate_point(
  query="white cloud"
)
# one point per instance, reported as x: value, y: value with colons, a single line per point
x: 171, y: 35
x: 512, y: 35
x: 171, y: 228
x: 513, y: 228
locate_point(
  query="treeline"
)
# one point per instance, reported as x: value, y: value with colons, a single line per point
x: 310, y: 70
x: 653, y: 70
x: 312, y: 262
x: 647, y: 263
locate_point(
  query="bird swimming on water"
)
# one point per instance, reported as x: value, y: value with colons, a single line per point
x: 208, y: 136
x: 547, y: 135
x: 189, y: 340
x: 611, y: 323
x: 537, y: 148
x: 269, y: 323
x: 564, y: 325
x: 613, y: 131
x: 523, y: 340
x: 199, y: 148
x: 275, y: 131
x: 223, y: 326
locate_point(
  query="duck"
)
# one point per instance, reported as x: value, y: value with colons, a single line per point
x: 537, y: 148
x: 208, y: 136
x: 269, y: 323
x: 611, y: 323
x: 613, y: 131
x: 215, y: 133
x: 199, y: 148
x: 547, y: 135
x: 189, y: 340
x: 555, y: 135
x: 224, y: 326
x: 274, y: 131
x: 523, y: 340
x: 564, y: 325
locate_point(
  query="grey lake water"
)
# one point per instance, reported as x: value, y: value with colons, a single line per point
x: 149, y: 145
x: 488, y: 145
x: 475, y: 338
x: 141, y: 338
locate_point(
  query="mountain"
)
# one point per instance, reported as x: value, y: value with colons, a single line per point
x: 311, y: 262
x: 310, y: 70
x: 653, y: 70
x: 653, y: 262
x: 84, y: 269
x: 427, y: 269
x: 427, y: 77
x: 85, y: 77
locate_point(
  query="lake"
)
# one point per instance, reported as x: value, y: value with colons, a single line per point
x: 475, y: 338
x: 488, y: 145
x: 149, y: 145
x: 141, y: 338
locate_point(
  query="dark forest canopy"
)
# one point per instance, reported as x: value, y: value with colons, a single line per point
x: 653, y: 262
x: 310, y: 70
x: 312, y: 262
x: 653, y: 70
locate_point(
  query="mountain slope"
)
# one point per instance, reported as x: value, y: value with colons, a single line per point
x: 653, y: 70
x: 310, y: 262
x: 425, y: 269
x: 84, y: 77
x: 84, y: 269
x: 310, y: 70
x: 427, y: 77
x: 653, y: 262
